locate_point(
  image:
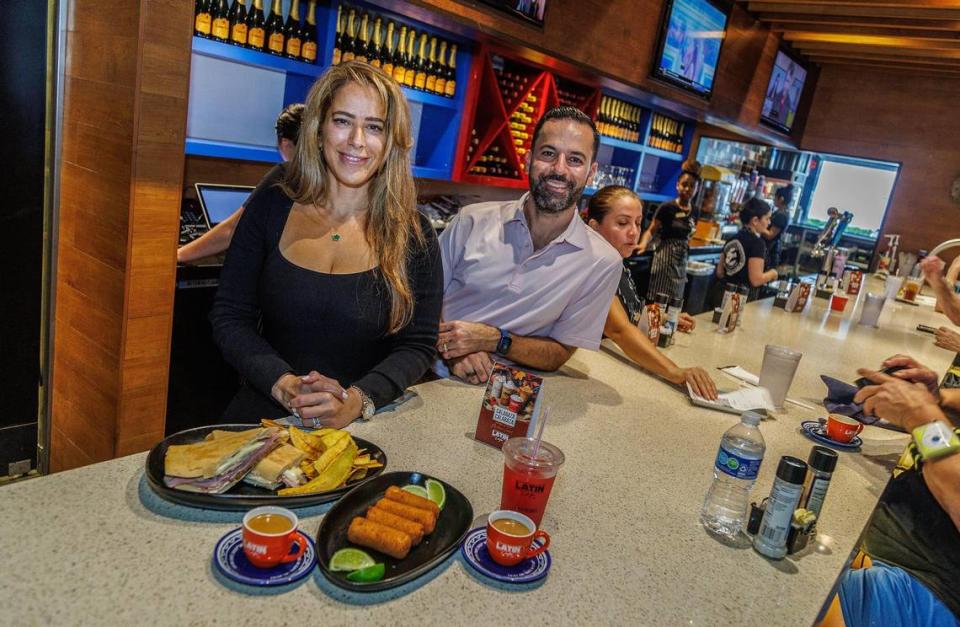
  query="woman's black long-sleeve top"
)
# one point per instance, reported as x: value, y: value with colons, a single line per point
x: 271, y: 316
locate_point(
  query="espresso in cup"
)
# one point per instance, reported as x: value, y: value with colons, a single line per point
x: 511, y: 537
x: 270, y: 537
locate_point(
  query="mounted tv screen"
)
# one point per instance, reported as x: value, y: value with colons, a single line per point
x: 783, y: 93
x: 690, y: 42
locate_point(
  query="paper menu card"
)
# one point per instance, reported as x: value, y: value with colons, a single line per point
x: 511, y: 405
x: 737, y: 401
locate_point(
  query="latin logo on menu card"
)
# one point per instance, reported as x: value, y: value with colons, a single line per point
x: 511, y: 405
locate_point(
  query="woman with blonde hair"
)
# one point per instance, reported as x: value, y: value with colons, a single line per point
x: 330, y: 295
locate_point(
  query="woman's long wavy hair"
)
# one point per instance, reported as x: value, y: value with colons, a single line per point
x: 393, y: 228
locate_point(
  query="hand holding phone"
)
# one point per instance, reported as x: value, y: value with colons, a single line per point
x: 863, y: 381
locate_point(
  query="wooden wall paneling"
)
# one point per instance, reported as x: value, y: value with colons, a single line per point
x: 127, y: 72
x: 895, y: 116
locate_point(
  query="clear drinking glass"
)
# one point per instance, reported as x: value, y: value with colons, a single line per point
x: 777, y: 372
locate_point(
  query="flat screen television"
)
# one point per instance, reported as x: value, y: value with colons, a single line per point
x: 783, y: 92
x: 690, y: 40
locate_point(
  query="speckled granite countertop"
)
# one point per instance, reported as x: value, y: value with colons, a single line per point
x: 96, y: 546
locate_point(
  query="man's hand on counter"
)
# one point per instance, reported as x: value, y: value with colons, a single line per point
x: 903, y: 403
x: 460, y: 337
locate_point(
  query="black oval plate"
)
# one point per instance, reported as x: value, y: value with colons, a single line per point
x: 242, y: 496
x: 452, y: 526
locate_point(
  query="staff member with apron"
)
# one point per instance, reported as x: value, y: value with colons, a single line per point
x: 675, y: 223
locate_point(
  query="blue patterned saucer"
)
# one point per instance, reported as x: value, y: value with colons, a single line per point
x: 230, y: 560
x: 817, y: 432
x: 475, y: 553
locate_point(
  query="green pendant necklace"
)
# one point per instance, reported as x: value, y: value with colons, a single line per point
x: 335, y: 237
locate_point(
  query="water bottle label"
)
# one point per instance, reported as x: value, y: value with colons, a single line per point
x: 737, y: 466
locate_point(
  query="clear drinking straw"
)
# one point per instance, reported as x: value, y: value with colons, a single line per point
x: 536, y: 442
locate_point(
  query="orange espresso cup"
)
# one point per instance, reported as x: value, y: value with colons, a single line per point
x: 269, y: 535
x: 510, y: 537
x: 842, y: 428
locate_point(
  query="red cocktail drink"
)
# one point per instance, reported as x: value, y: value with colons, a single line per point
x: 528, y: 478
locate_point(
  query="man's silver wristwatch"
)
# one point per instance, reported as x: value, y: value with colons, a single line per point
x: 367, y: 408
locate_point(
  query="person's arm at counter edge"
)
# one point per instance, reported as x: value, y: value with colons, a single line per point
x: 910, y: 405
x: 641, y: 350
x: 462, y: 337
x: 947, y: 299
x: 211, y: 243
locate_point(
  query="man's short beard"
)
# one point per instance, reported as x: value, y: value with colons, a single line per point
x: 546, y: 202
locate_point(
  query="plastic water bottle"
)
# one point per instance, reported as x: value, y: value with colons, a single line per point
x: 738, y: 461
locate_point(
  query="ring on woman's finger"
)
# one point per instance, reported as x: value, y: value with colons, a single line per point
x: 444, y: 347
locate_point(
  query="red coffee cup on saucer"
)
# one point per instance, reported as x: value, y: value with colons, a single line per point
x: 842, y: 428
x: 269, y: 535
x: 510, y: 537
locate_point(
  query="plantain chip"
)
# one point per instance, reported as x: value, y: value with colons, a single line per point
x: 306, y: 467
x: 357, y: 474
x: 333, y: 476
x: 309, y: 443
x: 331, y: 453
x: 334, y: 436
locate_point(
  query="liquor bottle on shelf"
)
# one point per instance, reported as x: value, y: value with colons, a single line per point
x: 220, y: 24
x: 360, y: 40
x: 348, y: 52
x: 411, y: 65
x: 431, y: 86
x: 450, y: 88
x: 308, y: 50
x: 387, y: 51
x: 238, y: 23
x: 338, y: 38
x: 420, y: 76
x: 400, y: 56
x: 440, y: 85
x: 202, y: 18
x: 256, y: 30
x: 274, y: 28
x: 292, y: 31
x: 375, y: 47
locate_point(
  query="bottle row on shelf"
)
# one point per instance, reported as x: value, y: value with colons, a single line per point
x: 293, y: 38
x: 493, y: 163
x: 619, y: 119
x: 421, y: 65
x: 666, y: 133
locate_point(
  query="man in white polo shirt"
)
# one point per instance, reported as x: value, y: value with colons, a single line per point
x: 526, y: 280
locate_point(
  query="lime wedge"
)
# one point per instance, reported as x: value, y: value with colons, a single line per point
x: 417, y: 489
x: 350, y: 559
x: 436, y: 493
x: 368, y: 574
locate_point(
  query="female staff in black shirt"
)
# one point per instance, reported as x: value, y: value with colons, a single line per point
x: 617, y: 214
x: 675, y: 222
x: 741, y: 261
x: 336, y: 263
